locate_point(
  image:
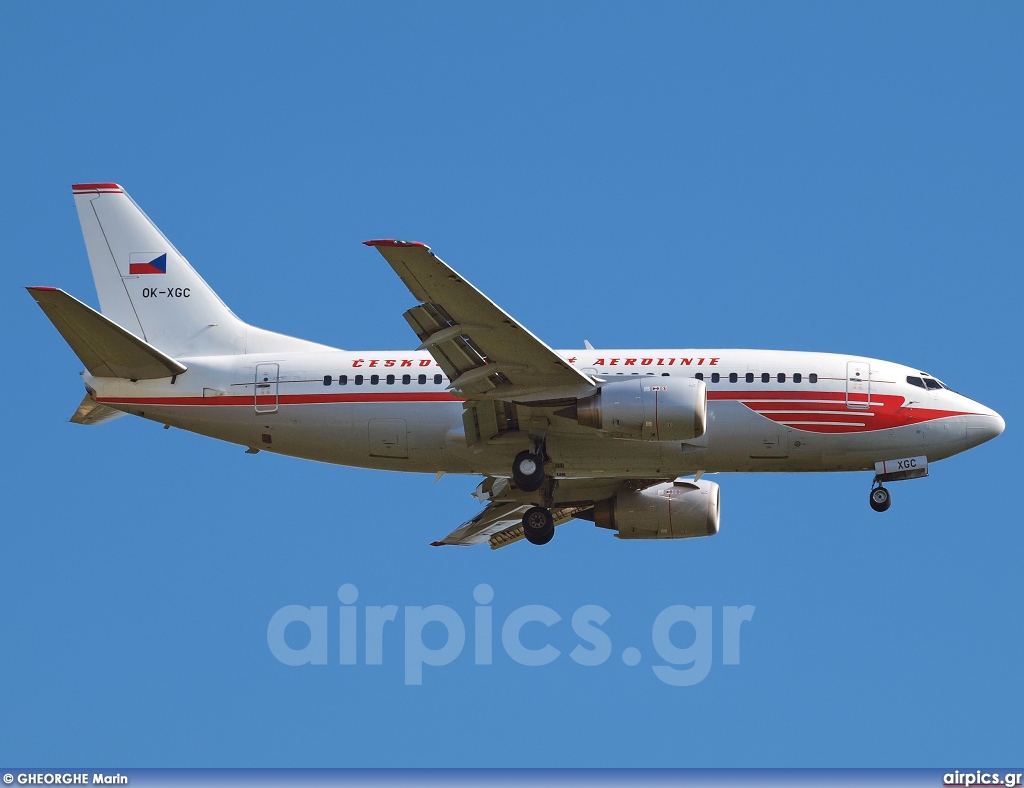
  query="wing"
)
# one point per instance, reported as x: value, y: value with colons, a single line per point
x: 501, y: 524
x: 484, y: 352
x: 501, y: 521
x: 497, y: 516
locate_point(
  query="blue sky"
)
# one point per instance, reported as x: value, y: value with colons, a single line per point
x: 838, y: 177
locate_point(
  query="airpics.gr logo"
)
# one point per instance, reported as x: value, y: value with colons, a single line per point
x: 147, y: 263
x: 437, y: 635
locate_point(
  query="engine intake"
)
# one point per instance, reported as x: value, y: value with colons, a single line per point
x: 673, y: 510
x: 647, y: 408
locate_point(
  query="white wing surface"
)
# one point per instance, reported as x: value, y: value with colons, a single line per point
x: 483, y: 350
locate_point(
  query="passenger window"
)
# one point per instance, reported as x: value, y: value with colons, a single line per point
x: 733, y: 377
x: 406, y: 379
x: 359, y: 380
x: 664, y: 374
x: 437, y: 380
x: 932, y: 384
x: 813, y: 377
x: 342, y: 380
x: 750, y: 377
x: 797, y: 377
x: 915, y: 381
x: 765, y: 377
x: 391, y: 380
x: 422, y: 379
x: 374, y: 380
x: 715, y: 377
x: 699, y: 376
x: 327, y: 380
x: 782, y: 377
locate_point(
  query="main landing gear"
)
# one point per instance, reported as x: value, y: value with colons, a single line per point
x: 528, y: 474
x: 880, y: 499
x: 528, y: 470
x: 538, y: 526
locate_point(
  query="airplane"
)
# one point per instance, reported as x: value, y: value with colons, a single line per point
x: 622, y: 438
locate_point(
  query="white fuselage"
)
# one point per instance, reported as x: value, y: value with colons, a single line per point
x: 601, y: 435
x: 767, y: 411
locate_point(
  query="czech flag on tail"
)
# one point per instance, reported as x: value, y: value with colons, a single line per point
x: 156, y: 265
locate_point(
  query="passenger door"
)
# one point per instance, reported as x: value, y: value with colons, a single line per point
x: 858, y: 384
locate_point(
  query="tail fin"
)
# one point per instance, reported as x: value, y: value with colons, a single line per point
x: 146, y: 286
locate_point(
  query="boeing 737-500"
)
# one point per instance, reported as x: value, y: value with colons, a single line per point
x: 622, y: 438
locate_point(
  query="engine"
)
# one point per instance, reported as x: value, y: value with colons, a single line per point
x: 646, y: 408
x: 673, y: 510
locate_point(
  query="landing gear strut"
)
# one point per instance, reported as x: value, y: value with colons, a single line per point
x: 528, y: 471
x: 880, y: 499
x: 538, y: 526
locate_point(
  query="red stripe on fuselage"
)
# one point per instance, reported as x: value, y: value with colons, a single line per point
x: 885, y: 411
x: 772, y: 394
x: 286, y: 399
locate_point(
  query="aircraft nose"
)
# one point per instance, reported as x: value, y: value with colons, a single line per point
x: 983, y: 426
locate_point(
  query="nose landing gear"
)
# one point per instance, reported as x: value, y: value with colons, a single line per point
x: 880, y: 499
x: 895, y: 471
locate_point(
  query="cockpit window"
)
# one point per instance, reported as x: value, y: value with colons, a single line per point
x: 926, y: 381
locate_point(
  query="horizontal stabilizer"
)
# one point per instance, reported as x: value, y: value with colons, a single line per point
x: 106, y: 349
x: 92, y: 412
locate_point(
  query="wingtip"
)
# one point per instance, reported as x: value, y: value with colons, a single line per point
x: 393, y: 242
x: 41, y: 288
x: 438, y: 544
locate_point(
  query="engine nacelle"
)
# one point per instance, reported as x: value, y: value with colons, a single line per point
x: 673, y: 510
x: 647, y: 408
